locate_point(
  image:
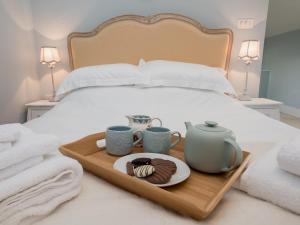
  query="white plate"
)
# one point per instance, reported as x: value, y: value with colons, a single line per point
x: 182, y: 172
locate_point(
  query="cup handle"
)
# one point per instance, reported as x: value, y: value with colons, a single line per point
x: 156, y: 118
x: 138, y: 140
x: 101, y: 142
x: 237, y: 154
x: 176, y: 141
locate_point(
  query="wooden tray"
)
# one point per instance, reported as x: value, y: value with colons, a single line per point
x: 196, y: 197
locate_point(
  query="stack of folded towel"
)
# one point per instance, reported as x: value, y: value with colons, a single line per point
x: 34, y: 178
x: 276, y: 176
x: 9, y: 134
x: 289, y: 157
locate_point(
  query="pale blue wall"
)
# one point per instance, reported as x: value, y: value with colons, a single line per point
x: 282, y: 58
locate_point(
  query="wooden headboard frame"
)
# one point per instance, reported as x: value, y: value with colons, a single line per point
x: 126, y: 39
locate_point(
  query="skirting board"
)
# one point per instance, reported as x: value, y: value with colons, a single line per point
x: 290, y: 110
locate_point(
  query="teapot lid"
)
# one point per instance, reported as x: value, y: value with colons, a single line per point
x: 211, y: 126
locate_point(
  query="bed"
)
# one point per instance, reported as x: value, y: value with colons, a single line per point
x: 126, y: 39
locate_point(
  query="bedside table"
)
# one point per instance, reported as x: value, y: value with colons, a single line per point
x: 266, y: 106
x: 38, y: 108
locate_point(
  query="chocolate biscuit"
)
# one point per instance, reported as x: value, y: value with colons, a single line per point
x: 129, y: 168
x: 162, y: 175
x: 141, y: 161
x: 156, y: 171
x: 144, y: 171
x: 166, y: 163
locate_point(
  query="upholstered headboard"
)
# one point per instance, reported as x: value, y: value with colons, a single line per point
x: 127, y: 39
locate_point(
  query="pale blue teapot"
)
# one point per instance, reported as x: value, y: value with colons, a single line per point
x: 210, y: 148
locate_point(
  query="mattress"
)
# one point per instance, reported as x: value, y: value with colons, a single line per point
x: 91, y: 110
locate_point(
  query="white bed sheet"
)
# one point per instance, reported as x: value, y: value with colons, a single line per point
x: 92, y: 110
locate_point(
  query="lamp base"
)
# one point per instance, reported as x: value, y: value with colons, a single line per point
x: 244, y: 97
x: 51, y: 98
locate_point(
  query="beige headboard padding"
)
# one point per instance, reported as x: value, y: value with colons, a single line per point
x: 127, y: 39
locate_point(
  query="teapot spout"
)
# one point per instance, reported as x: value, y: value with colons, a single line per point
x: 188, y: 125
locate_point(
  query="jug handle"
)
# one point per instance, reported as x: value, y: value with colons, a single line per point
x: 159, y: 120
x: 238, y: 154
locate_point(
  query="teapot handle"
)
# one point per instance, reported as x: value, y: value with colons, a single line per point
x: 159, y: 120
x: 238, y: 154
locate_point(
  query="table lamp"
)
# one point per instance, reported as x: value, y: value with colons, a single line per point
x: 50, y: 56
x: 248, y: 53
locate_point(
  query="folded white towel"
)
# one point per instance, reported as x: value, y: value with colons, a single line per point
x: 10, y: 132
x: 289, y: 157
x: 28, y: 146
x: 37, y: 191
x: 17, y: 168
x: 264, y: 179
x: 5, y: 146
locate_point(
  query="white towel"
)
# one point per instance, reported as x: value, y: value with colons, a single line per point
x: 28, y: 146
x: 5, y: 146
x: 289, y: 157
x: 37, y: 191
x: 10, y: 132
x: 17, y: 168
x: 265, y: 180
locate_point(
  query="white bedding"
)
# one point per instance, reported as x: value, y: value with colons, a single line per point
x: 91, y: 110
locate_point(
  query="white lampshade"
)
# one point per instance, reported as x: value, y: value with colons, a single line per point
x: 49, y: 55
x: 249, y: 50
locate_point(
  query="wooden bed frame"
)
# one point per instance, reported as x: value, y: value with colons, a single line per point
x: 127, y: 39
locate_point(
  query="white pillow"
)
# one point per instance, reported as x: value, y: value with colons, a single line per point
x: 101, y: 75
x: 186, y: 75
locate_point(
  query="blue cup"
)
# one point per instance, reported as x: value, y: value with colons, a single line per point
x: 119, y: 140
x: 159, y: 140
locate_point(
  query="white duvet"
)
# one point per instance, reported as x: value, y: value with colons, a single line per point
x: 91, y: 110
